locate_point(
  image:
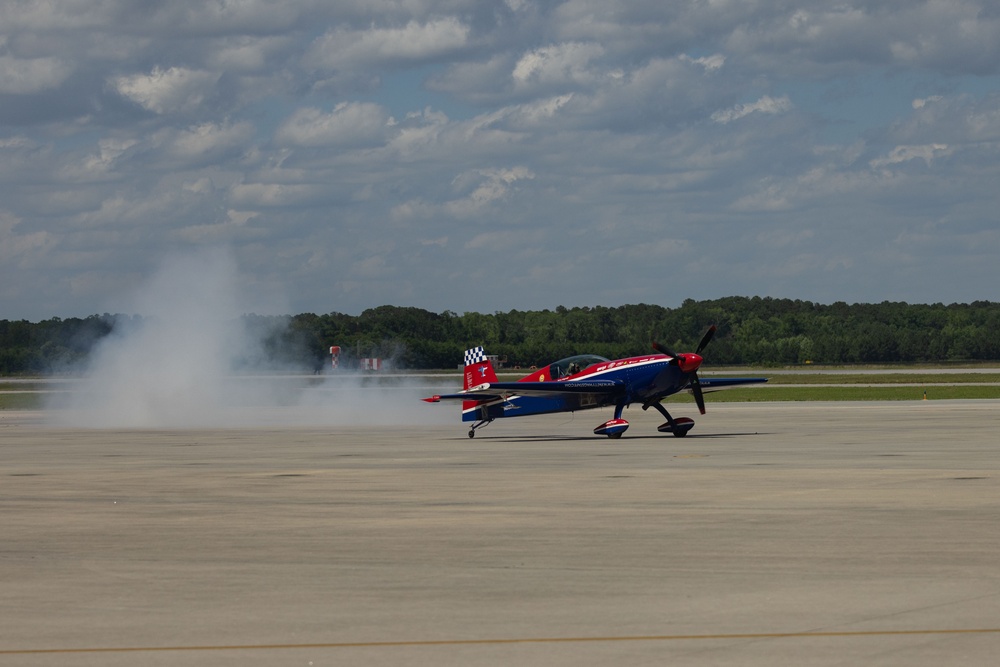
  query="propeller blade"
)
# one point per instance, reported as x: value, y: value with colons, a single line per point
x: 696, y: 390
x: 662, y: 349
x: 699, y: 398
x: 706, y: 339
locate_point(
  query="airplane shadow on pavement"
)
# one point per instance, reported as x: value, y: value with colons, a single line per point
x: 610, y: 441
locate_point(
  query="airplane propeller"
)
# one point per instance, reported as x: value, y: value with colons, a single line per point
x: 692, y: 361
x: 663, y: 349
x: 706, y: 339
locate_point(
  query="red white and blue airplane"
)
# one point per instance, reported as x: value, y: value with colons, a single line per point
x: 588, y: 381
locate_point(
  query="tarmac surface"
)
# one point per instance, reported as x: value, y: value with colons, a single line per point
x: 805, y: 534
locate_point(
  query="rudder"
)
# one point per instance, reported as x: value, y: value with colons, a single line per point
x: 478, y: 368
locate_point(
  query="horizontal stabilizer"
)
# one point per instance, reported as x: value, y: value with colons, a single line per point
x: 506, y: 389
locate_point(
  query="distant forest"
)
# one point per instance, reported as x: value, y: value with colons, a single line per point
x: 752, y: 331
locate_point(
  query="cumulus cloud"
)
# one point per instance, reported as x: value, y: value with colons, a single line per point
x: 710, y: 63
x: 766, y: 104
x: 921, y: 103
x: 20, y: 76
x: 342, y: 48
x: 102, y: 161
x: 270, y: 195
x: 490, y: 185
x: 338, y: 144
x: 244, y: 54
x: 16, y: 246
x: 349, y: 124
x: 557, y: 64
x: 208, y: 141
x: 653, y: 250
x: 906, y: 153
x: 176, y: 89
x: 510, y: 122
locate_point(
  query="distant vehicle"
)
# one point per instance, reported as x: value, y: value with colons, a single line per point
x: 588, y: 381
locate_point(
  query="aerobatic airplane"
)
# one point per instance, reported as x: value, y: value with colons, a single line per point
x: 588, y: 381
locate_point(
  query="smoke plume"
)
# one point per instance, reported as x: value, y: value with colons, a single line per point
x: 184, y: 364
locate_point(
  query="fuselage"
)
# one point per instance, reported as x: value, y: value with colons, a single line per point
x: 643, y: 379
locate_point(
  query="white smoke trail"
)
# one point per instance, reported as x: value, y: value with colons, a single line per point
x: 182, y: 365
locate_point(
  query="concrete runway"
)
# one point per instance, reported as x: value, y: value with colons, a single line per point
x: 805, y: 534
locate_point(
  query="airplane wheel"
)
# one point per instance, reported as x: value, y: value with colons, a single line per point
x: 614, y: 436
x: 680, y: 434
x: 472, y: 433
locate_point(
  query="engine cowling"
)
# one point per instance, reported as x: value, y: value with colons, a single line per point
x: 689, y: 362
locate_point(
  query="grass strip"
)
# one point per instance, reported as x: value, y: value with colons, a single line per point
x: 777, y: 377
x: 844, y: 393
x: 22, y: 401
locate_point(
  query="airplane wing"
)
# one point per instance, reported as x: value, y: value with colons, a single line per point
x: 714, y: 384
x: 504, y: 390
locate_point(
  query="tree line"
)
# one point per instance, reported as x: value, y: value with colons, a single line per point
x: 752, y: 331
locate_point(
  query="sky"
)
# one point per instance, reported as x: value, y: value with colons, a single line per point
x: 468, y: 155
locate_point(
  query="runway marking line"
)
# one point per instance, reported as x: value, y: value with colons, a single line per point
x: 500, y: 641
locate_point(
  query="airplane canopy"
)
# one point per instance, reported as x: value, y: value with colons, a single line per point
x: 575, y: 364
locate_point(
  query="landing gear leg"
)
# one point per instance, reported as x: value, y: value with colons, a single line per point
x: 479, y: 424
x: 662, y: 410
x: 671, y: 425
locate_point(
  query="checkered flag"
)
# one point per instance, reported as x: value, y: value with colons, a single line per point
x: 474, y: 356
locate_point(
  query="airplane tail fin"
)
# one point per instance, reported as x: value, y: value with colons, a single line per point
x: 478, y: 369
